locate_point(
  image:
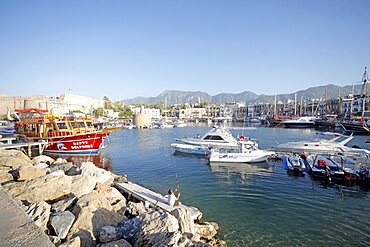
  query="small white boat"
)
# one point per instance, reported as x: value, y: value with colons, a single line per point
x: 248, y: 153
x: 332, y: 146
x: 190, y: 149
x: 300, y: 122
x: 218, y: 137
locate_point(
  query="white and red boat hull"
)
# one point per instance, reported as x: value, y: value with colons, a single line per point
x: 86, y: 143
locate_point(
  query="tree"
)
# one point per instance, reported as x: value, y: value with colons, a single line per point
x: 99, y: 112
x: 126, y: 112
x: 107, y: 103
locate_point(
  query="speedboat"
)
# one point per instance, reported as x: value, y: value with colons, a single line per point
x: 248, y: 153
x: 300, y: 122
x: 190, y: 149
x: 324, y: 167
x: 217, y: 137
x: 294, y: 165
x: 335, y: 145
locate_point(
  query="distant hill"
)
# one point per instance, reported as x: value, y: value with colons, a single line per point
x: 172, y: 97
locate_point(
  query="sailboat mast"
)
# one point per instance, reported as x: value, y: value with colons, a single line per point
x: 364, y: 91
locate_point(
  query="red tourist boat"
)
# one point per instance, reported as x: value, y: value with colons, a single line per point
x: 65, y: 135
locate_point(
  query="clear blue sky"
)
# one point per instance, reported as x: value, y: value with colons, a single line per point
x: 123, y: 49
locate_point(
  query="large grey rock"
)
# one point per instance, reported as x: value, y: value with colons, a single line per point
x: 93, y: 212
x: 135, y: 209
x: 61, y: 223
x: 100, y: 175
x: 28, y: 172
x: 74, y: 171
x: 186, y: 224
x: 15, y: 154
x: 74, y: 242
x: 60, y: 161
x: 42, y: 159
x: 5, y: 175
x: 127, y: 229
x: 114, y: 197
x: 108, y: 234
x: 52, y: 187
x: 158, y: 229
x: 118, y: 243
x: 206, y: 230
x: 64, y: 204
x: 14, y: 162
x: 60, y: 166
x: 40, y: 214
x: 119, y: 178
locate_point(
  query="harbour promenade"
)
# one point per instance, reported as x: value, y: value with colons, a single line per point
x: 16, y: 227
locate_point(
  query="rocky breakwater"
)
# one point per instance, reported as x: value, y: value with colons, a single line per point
x: 79, y: 206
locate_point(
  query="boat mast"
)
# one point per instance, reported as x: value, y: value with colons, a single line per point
x: 364, y: 91
x: 295, y: 104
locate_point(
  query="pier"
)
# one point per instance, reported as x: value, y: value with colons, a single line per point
x: 155, y: 199
x: 23, y: 145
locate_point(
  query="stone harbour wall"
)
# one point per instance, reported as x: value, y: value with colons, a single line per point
x: 79, y: 206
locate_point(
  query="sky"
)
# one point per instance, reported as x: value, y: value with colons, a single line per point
x: 124, y: 49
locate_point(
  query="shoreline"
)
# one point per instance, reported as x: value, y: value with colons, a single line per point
x: 81, y: 206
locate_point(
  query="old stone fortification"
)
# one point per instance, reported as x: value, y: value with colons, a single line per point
x: 80, y: 206
x: 61, y: 104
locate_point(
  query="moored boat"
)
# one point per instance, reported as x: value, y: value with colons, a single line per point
x: 248, y: 153
x: 65, y: 135
x: 190, y: 149
x: 300, y: 122
x: 294, y: 165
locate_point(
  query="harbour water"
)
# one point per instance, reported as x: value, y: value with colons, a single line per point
x: 255, y: 205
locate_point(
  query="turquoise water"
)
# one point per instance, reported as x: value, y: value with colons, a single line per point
x: 255, y: 205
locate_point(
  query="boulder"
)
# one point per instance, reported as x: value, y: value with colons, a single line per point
x: 42, y: 166
x: 135, y: 209
x: 52, y: 187
x: 60, y: 166
x: 14, y: 162
x: 45, y: 188
x: 90, y: 221
x: 40, y: 214
x: 118, y: 243
x: 61, y: 223
x: 127, y: 229
x: 82, y: 185
x: 217, y: 243
x: 5, y: 175
x: 206, y: 230
x: 120, y: 178
x: 42, y: 159
x: 100, y: 175
x: 114, y: 197
x: 28, y: 172
x: 74, y: 171
x: 108, y: 234
x: 93, y: 200
x: 60, y: 161
x: 74, y: 242
x: 15, y: 154
x: 186, y: 224
x: 158, y: 229
x: 64, y: 204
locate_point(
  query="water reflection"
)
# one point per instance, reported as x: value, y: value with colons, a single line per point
x: 102, y: 160
x: 245, y: 170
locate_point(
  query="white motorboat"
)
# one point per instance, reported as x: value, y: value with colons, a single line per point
x: 218, y: 137
x: 248, y: 153
x: 300, y: 122
x: 332, y: 146
x: 190, y: 149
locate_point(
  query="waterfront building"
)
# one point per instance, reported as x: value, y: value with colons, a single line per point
x: 151, y: 113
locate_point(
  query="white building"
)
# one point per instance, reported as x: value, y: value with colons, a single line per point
x: 151, y: 113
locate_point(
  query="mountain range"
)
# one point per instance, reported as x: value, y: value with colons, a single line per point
x: 171, y: 97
